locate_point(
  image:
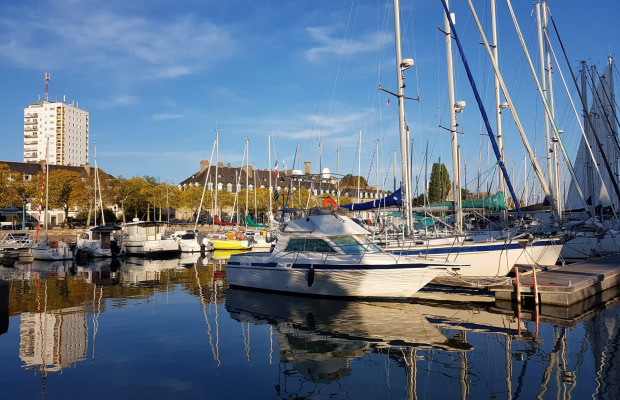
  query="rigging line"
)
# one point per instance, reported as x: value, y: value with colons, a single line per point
x: 585, y: 137
x: 600, y: 101
x: 344, y: 42
x: 481, y: 106
x: 590, y: 122
x: 612, y: 104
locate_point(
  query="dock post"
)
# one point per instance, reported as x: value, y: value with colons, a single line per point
x: 518, y: 288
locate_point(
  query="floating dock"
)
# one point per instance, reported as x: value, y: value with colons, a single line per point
x: 564, y: 285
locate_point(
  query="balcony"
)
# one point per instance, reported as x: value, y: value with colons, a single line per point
x: 29, y: 121
x: 30, y: 155
x: 30, y: 136
x: 30, y: 143
x: 31, y: 115
x: 31, y: 129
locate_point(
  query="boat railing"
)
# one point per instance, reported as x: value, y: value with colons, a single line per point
x: 16, y: 240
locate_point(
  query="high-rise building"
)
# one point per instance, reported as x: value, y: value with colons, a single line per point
x: 64, y: 125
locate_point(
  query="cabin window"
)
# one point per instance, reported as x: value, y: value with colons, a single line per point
x: 313, y: 245
x: 354, y: 245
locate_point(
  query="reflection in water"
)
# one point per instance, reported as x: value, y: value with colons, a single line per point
x: 319, y: 338
x: 64, y: 313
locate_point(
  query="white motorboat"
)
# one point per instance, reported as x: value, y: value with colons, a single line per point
x: 326, y: 254
x: 100, y: 242
x: 189, y: 241
x: 148, y: 238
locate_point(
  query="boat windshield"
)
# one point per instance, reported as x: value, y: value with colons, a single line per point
x: 313, y: 245
x: 354, y: 244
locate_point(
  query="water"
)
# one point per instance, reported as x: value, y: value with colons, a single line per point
x: 162, y: 329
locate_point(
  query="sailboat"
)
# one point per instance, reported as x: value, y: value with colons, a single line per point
x: 601, y: 235
x: 50, y: 249
x: 100, y: 241
x: 489, y: 256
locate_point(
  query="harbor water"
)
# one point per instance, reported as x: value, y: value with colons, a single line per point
x: 161, y: 329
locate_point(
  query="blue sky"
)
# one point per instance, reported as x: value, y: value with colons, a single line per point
x: 158, y: 78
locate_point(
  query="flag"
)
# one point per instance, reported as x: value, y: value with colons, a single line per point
x: 388, y: 103
x: 275, y: 196
x: 275, y: 171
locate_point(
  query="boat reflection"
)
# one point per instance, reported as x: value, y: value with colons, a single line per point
x: 319, y: 337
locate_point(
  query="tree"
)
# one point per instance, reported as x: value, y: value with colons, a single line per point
x: 439, y: 185
x: 351, y: 180
x: 66, y: 190
x: 11, y: 187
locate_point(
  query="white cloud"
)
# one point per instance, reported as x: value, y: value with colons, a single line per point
x: 328, y: 45
x: 100, y: 39
x: 164, y: 117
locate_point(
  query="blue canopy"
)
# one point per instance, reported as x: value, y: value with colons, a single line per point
x: 394, y: 199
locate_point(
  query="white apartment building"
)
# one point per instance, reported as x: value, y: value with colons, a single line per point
x: 65, y: 125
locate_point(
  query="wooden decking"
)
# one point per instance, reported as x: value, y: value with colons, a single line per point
x: 567, y: 285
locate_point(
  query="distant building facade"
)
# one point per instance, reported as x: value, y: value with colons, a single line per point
x: 65, y: 125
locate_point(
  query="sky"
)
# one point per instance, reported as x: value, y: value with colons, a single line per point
x: 160, y: 77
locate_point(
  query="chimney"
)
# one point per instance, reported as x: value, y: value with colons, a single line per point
x: 307, y: 167
x: 204, y: 164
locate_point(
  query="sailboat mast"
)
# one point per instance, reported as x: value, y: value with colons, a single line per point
x: 247, y: 174
x: 456, y: 190
x: 270, y: 188
x: 359, y: 165
x: 554, y: 143
x: 543, y: 85
x: 377, y: 152
x: 338, y: 172
x: 404, y: 142
x: 217, y: 158
x: 501, y: 183
x: 47, y: 183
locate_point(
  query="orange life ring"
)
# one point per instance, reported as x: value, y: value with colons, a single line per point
x: 239, y: 235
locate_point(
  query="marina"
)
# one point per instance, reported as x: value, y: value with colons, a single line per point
x: 173, y: 327
x: 447, y: 255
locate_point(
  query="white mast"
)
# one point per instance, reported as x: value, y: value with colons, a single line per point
x: 543, y: 84
x: 359, y: 164
x: 377, y: 151
x: 338, y: 172
x: 217, y: 151
x: 404, y: 142
x: 456, y: 189
x: 270, y: 188
x: 501, y: 183
x: 247, y: 175
x: 47, y: 181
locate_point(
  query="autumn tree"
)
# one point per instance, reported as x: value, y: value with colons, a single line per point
x: 11, y: 187
x: 66, y: 190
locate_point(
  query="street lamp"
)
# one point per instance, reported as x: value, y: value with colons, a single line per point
x: 24, y: 212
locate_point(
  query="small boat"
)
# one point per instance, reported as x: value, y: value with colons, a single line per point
x: 148, y: 238
x: 51, y: 250
x: 189, y: 240
x: 100, y: 242
x: 327, y: 254
x: 227, y: 241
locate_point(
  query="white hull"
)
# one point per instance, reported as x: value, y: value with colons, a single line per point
x: 151, y: 247
x: 486, y: 259
x: 43, y: 251
x: 188, y: 245
x: 394, y: 283
x: 92, y: 248
x: 588, y: 245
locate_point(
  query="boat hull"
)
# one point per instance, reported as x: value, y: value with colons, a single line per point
x: 336, y: 280
x: 152, y: 248
x: 589, y: 245
x: 227, y: 244
x: 52, y: 253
